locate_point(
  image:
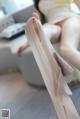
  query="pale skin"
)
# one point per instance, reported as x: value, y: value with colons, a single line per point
x: 69, y: 29
x: 49, y: 29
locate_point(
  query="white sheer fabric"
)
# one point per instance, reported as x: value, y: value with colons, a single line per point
x: 45, y: 56
x: 56, y: 10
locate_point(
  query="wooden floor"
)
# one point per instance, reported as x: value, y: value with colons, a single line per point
x: 26, y: 102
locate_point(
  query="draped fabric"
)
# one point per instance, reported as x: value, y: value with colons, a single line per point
x: 48, y: 61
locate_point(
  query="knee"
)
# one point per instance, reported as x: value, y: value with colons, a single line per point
x: 52, y: 31
x: 57, y: 31
x: 64, y: 50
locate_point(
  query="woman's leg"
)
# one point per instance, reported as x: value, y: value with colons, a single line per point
x: 49, y: 29
x: 52, y: 31
x: 70, y: 41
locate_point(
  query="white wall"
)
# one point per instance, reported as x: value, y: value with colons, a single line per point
x: 12, y: 6
x: 8, y: 5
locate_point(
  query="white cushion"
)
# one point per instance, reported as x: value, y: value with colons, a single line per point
x: 5, y: 22
x: 12, y: 30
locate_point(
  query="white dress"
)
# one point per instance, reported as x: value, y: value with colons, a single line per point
x: 55, y: 10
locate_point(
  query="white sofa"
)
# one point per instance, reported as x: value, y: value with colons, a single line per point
x: 26, y: 63
x: 8, y: 57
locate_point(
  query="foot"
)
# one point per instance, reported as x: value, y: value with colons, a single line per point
x: 35, y: 17
x: 21, y: 49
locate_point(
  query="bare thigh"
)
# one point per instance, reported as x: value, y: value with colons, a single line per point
x: 71, y: 32
x: 70, y: 40
x: 52, y: 32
